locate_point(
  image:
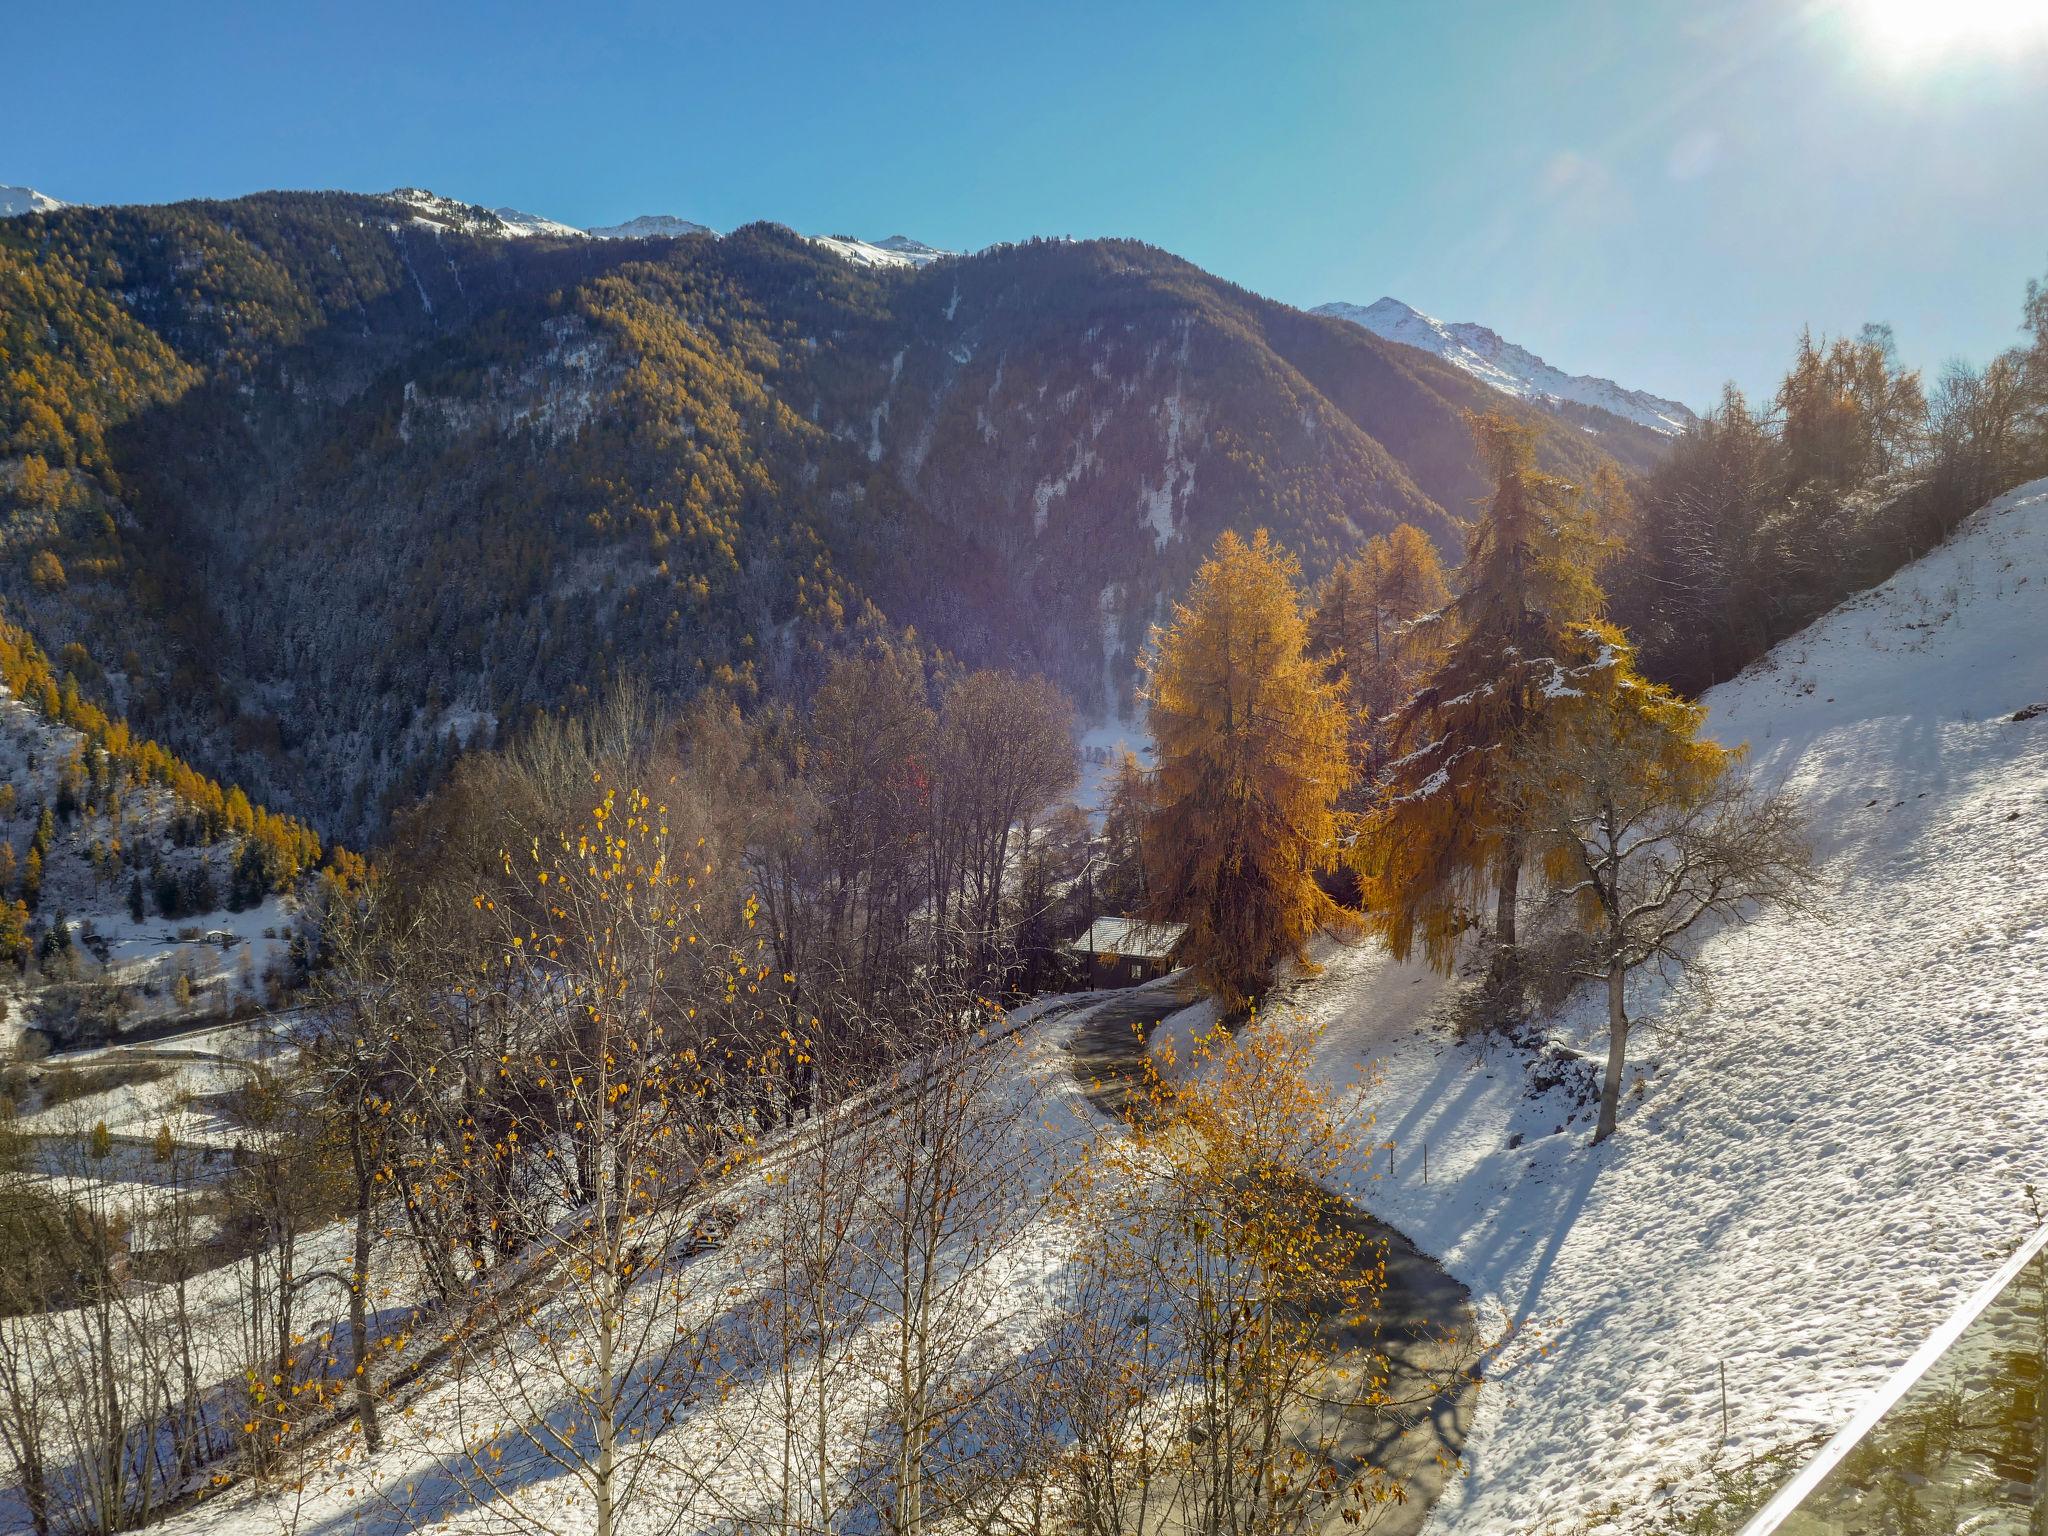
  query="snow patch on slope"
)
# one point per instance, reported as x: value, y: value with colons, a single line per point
x: 1508, y: 368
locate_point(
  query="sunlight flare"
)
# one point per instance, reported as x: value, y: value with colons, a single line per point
x: 1920, y: 31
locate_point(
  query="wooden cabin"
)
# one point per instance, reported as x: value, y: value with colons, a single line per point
x: 1124, y: 951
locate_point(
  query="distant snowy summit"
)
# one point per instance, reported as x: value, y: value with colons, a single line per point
x: 447, y: 213
x: 15, y: 200
x: 896, y: 251
x: 1508, y: 368
x: 521, y: 226
x: 650, y: 226
x: 516, y: 224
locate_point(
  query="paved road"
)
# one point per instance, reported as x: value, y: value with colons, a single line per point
x: 1425, y: 1329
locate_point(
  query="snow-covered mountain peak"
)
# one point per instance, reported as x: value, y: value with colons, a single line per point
x: 451, y: 213
x: 914, y: 250
x: 520, y: 225
x: 516, y: 224
x: 896, y: 251
x: 1511, y: 369
x: 15, y: 200
x: 650, y: 226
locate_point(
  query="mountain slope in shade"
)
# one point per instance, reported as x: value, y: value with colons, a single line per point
x: 517, y: 463
x: 1513, y: 370
x: 650, y: 226
x: 15, y: 200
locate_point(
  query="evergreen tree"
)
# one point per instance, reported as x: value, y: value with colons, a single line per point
x: 1251, y: 759
x: 166, y: 883
x: 1442, y: 828
x: 248, y: 881
x: 195, y: 890
x: 137, y: 908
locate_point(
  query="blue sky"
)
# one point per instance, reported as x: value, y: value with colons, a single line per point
x: 1660, y: 192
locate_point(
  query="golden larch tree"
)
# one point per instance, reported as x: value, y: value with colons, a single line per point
x: 1252, y: 755
x: 1368, y: 626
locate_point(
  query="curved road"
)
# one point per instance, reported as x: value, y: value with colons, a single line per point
x: 1425, y: 1329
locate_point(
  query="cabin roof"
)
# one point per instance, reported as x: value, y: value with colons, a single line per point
x: 1130, y: 937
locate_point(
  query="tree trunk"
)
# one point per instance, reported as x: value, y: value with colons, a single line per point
x: 1508, y: 900
x: 1617, y: 1048
x: 606, y: 1425
x: 358, y: 1302
x: 1504, y: 970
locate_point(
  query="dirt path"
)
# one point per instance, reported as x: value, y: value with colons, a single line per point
x: 1426, y: 1330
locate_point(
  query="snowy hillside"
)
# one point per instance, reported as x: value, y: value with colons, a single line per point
x: 1508, y: 368
x: 1818, y: 1163
x: 25, y: 200
x: 122, y: 969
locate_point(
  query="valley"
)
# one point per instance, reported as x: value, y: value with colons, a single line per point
x: 711, y: 873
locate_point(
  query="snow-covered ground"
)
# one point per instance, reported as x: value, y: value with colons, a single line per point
x: 1038, y: 1116
x: 198, y: 1069
x: 1817, y: 1165
x: 1813, y: 1166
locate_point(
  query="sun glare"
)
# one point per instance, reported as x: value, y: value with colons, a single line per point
x: 1916, y: 31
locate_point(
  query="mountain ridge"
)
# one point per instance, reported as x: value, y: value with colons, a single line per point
x: 1513, y: 370
x: 338, y: 487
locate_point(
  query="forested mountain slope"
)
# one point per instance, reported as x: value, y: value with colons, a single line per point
x: 324, y: 487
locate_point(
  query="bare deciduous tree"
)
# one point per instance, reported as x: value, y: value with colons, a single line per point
x: 1645, y: 832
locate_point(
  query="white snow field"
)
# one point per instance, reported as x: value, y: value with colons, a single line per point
x: 1815, y: 1167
